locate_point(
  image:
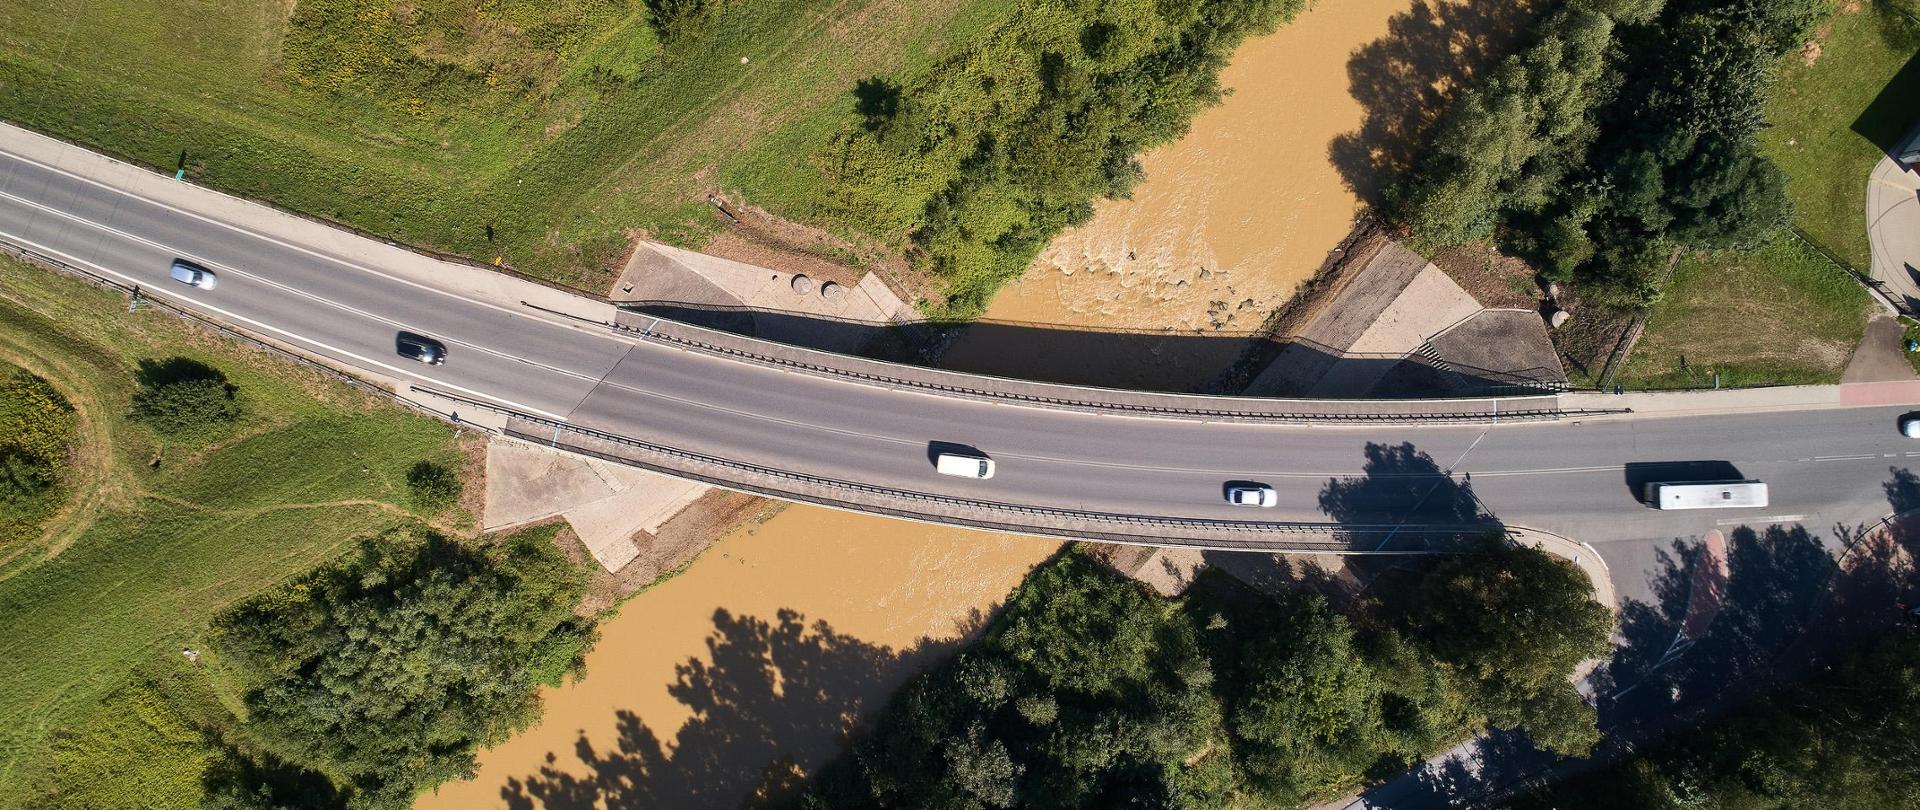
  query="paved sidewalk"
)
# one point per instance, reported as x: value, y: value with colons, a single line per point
x: 1893, y: 228
x: 350, y: 249
x: 1656, y: 404
x: 1881, y: 357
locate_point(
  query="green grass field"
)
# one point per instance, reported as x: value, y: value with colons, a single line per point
x: 562, y: 126
x: 1831, y: 119
x: 1780, y: 314
x: 158, y: 534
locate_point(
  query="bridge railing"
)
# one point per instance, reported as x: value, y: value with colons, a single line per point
x: 1532, y: 405
x: 1204, y: 533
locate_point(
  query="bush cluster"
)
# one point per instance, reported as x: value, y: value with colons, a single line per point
x: 36, y: 428
x: 183, y: 397
x: 433, y: 485
x: 431, y: 54
x: 1090, y: 692
x: 1626, y: 130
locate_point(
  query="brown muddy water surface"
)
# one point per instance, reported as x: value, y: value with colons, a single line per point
x: 1232, y: 217
x: 738, y: 676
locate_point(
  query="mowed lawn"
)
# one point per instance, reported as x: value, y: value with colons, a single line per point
x: 158, y: 535
x: 543, y: 132
x: 1780, y: 314
x: 1783, y: 314
x: 1833, y: 119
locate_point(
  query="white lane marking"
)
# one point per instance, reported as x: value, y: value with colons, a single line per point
x: 1844, y: 458
x: 267, y: 238
x: 229, y: 269
x: 1112, y: 465
x: 1445, y: 476
x: 1771, y: 519
x: 282, y: 332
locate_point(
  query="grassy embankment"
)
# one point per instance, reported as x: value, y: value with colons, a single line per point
x: 36, y: 442
x: 1782, y: 313
x: 562, y: 126
x: 961, y: 134
x: 161, y: 533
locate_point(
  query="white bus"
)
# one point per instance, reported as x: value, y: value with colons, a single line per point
x: 1706, y: 495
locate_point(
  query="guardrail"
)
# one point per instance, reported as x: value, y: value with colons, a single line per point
x: 134, y: 291
x: 1336, y: 415
x: 1280, y: 536
x: 834, y: 493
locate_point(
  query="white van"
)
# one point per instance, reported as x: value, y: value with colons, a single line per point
x: 963, y: 466
x: 1707, y: 495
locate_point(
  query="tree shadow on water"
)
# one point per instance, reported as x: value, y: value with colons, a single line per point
x: 776, y: 698
x: 1405, y: 79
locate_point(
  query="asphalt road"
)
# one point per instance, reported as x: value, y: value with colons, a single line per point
x: 1824, y: 467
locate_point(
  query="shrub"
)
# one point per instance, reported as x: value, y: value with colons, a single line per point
x: 36, y: 427
x: 434, y: 485
x: 183, y: 397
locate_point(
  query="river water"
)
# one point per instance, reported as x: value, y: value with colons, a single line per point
x: 739, y: 674
x: 1232, y: 217
x: 737, y: 677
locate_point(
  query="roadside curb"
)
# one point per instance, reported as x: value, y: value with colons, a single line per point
x: 330, y: 241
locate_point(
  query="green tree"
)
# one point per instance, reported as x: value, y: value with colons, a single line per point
x: 388, y: 669
x: 1509, y: 144
x: 1310, y: 709
x: 1511, y: 623
x: 1624, y: 132
x: 1081, y: 631
x: 980, y: 160
x: 1841, y: 740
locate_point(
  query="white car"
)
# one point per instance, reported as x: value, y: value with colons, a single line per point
x: 193, y: 275
x: 1251, y: 493
x: 1910, y: 426
x: 964, y: 466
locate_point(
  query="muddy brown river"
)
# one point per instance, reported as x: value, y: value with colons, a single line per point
x: 738, y: 676
x: 1232, y: 217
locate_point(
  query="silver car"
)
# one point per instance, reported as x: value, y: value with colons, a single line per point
x: 193, y: 275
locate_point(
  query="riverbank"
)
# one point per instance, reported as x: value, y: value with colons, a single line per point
x: 739, y: 675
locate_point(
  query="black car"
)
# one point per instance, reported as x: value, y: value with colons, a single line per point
x: 421, y: 348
